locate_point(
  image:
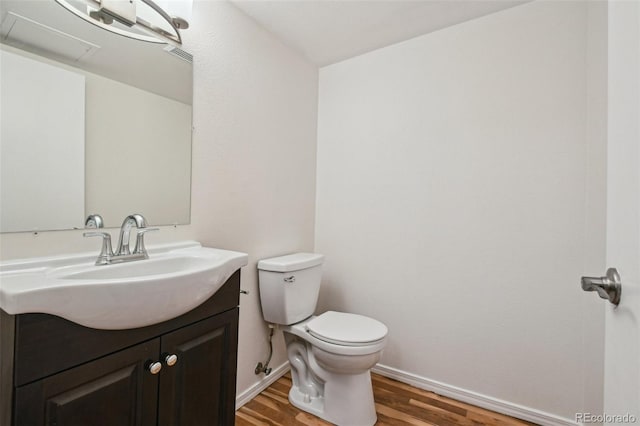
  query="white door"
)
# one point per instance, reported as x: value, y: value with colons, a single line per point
x: 622, y: 344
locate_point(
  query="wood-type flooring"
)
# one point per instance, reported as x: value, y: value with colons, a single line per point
x: 396, y: 404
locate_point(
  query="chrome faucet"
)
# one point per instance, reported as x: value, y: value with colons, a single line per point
x: 94, y: 221
x: 123, y: 253
x: 129, y: 222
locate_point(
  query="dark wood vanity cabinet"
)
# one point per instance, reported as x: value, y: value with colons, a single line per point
x: 68, y: 375
x: 114, y: 390
x: 202, y: 371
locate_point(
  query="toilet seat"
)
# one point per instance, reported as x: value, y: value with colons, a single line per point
x: 344, y: 329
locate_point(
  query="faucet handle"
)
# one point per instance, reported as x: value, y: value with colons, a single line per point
x: 140, y: 248
x: 94, y: 221
x: 106, y: 252
x: 105, y: 235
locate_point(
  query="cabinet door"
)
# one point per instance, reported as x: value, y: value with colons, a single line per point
x: 116, y: 390
x: 199, y: 389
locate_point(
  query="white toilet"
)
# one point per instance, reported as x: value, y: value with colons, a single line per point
x: 331, y: 354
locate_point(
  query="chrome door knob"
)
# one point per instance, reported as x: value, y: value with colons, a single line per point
x: 608, y: 287
x: 155, y: 367
x: 171, y: 360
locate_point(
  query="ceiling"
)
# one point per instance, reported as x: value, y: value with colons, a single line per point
x: 329, y: 31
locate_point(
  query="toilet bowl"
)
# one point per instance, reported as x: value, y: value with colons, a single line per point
x: 330, y: 354
x: 332, y: 379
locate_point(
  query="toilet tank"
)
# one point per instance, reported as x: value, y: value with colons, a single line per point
x: 289, y: 287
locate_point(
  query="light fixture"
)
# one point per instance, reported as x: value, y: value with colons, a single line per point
x: 157, y: 21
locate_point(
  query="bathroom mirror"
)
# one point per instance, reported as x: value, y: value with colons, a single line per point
x: 92, y: 122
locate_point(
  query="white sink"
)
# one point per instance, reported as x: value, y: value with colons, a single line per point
x: 175, y: 279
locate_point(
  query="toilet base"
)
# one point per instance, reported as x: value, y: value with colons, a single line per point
x: 304, y: 402
x: 350, y: 402
x: 342, y: 399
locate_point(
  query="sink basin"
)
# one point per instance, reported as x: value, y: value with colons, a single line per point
x: 156, y: 266
x: 175, y: 279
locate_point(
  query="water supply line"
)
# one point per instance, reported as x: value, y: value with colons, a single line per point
x: 265, y: 368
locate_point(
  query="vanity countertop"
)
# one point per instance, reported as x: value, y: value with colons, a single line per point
x: 176, y: 278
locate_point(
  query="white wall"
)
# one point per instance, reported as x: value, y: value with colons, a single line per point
x: 254, y: 156
x: 254, y: 148
x: 451, y: 195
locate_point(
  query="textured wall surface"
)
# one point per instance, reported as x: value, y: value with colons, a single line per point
x: 451, y: 203
x: 254, y: 155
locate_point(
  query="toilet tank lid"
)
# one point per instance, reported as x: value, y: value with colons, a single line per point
x: 291, y: 262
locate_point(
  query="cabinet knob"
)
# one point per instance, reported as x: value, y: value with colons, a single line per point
x: 171, y: 360
x: 155, y: 367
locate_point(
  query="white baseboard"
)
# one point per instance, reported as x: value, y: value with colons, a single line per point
x: 474, y: 398
x: 255, y: 390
